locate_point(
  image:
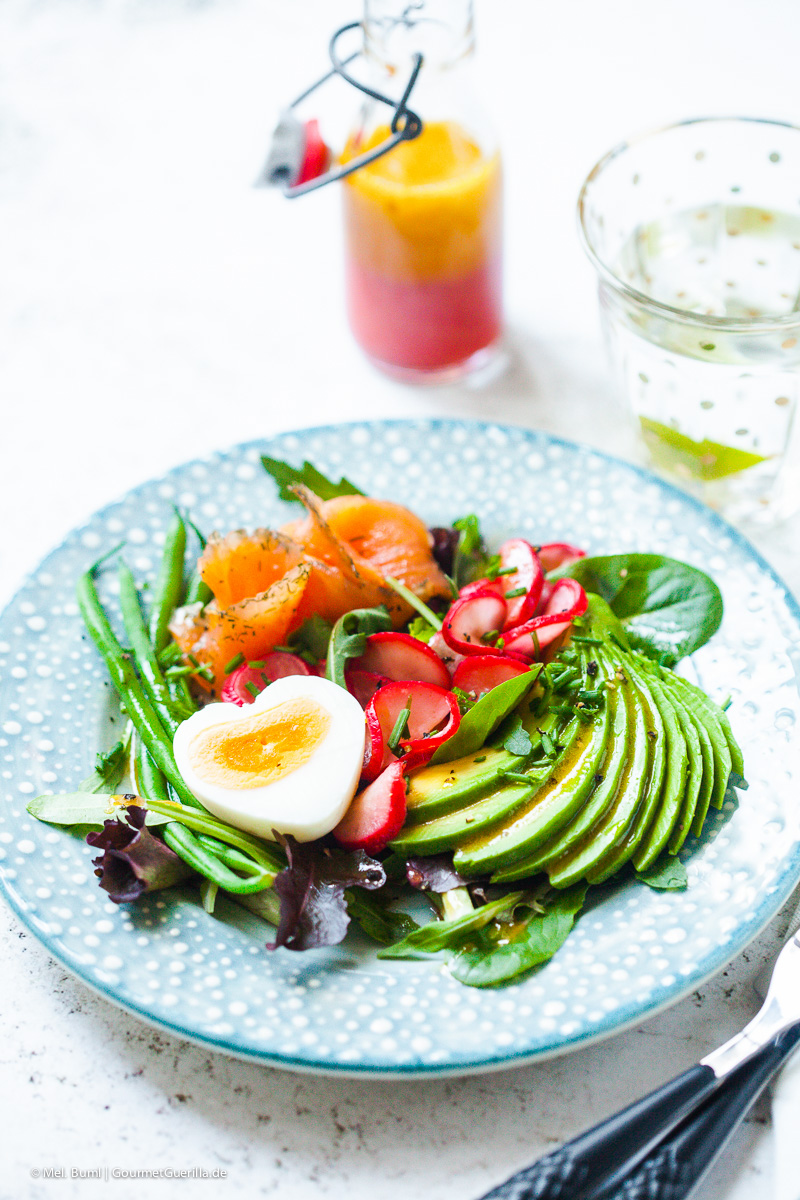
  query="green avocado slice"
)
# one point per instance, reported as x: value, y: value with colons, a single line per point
x: 547, y: 811
x: 680, y: 802
x: 696, y: 812
x: 440, y: 789
x: 607, y: 784
x: 608, y: 846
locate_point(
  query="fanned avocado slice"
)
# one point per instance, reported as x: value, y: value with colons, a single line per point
x: 693, y: 808
x: 605, y: 848
x: 441, y: 789
x: 606, y: 786
x: 547, y: 811
x: 449, y: 831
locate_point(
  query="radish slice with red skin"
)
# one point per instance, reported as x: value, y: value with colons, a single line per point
x: 528, y: 573
x: 481, y: 585
x: 567, y: 601
x: 399, y: 656
x: 433, y: 712
x: 363, y: 684
x: 479, y: 674
x: 376, y: 754
x: 451, y: 658
x: 558, y: 554
x: 376, y: 814
x: 276, y: 665
x: 469, y: 618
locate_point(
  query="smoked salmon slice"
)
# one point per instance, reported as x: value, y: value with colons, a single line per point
x: 243, y: 564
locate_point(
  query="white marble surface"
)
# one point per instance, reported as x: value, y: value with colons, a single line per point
x: 154, y: 306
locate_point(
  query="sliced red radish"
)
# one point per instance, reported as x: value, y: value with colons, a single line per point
x: 481, y: 585
x: 376, y: 814
x: 275, y: 665
x: 433, y: 717
x: 470, y: 619
x: 451, y: 658
x: 482, y: 672
x: 376, y: 756
x: 363, y: 684
x: 567, y: 601
x: 558, y: 554
x: 527, y: 574
x: 400, y: 656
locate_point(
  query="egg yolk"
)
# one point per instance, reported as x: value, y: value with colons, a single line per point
x: 260, y: 749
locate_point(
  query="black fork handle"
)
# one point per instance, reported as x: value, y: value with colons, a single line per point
x: 609, y: 1150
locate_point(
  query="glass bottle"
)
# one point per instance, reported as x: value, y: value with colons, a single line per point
x: 423, y: 223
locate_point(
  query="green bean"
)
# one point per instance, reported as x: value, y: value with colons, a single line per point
x: 146, y: 658
x: 169, y: 584
x: 138, y: 707
x: 202, y: 822
x: 150, y: 783
x: 187, y: 846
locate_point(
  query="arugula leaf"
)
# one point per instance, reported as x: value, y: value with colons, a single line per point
x: 285, y: 476
x: 83, y: 808
x: 108, y: 769
x: 469, y: 557
x: 667, y: 874
x: 448, y: 935
x: 349, y: 638
x: 378, y: 921
x: 419, y: 628
x: 310, y: 642
x: 486, y: 714
x: 501, y: 951
x: 668, y: 608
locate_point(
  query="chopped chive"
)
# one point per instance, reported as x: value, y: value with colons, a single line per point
x: 284, y: 650
x: 414, y: 601
x: 490, y: 637
x: 257, y: 666
x: 589, y: 641
x: 726, y: 703
x: 253, y: 688
x: 517, y: 777
x: 514, y: 592
x: 235, y: 662
x: 481, y: 758
x: 548, y: 744
x: 400, y: 727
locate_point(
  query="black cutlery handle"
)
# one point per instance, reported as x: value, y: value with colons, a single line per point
x: 677, y: 1166
x: 612, y: 1147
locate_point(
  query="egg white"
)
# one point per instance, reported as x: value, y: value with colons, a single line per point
x: 307, y: 802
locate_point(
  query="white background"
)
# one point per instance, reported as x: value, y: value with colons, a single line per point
x: 153, y: 307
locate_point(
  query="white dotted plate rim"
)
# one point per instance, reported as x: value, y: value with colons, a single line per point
x: 458, y: 1030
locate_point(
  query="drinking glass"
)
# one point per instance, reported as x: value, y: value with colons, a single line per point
x: 694, y: 231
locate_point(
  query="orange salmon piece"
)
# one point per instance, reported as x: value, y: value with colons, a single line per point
x: 387, y: 536
x: 242, y: 564
x: 251, y: 627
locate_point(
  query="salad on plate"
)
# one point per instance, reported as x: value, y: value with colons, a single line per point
x: 356, y: 718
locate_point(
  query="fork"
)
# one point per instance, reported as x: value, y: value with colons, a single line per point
x: 659, y: 1147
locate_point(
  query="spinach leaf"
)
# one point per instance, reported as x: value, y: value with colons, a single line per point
x: 668, y: 608
x: 486, y: 714
x: 516, y: 739
x: 349, y: 638
x: 83, y: 808
x: 667, y: 874
x: 285, y: 476
x: 500, y: 951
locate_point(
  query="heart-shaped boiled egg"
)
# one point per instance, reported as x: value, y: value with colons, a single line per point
x: 288, y: 762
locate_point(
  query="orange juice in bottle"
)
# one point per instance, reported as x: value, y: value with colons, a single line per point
x: 423, y: 223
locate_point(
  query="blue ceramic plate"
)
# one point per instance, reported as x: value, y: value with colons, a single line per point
x: 341, y: 1010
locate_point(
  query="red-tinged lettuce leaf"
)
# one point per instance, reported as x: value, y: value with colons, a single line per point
x: 133, y: 861
x: 434, y: 874
x: 311, y: 890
